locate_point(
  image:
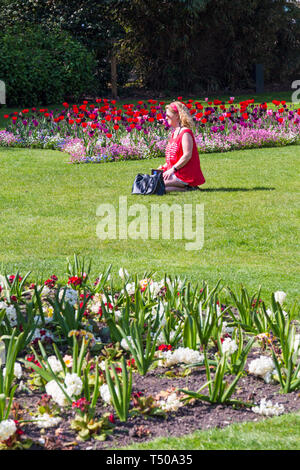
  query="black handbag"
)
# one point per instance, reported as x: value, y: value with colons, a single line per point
x: 149, y: 184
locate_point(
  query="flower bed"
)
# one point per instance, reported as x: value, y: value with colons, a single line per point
x: 88, y: 363
x: 103, y: 132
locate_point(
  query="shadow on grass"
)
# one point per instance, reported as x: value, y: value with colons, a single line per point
x: 256, y: 188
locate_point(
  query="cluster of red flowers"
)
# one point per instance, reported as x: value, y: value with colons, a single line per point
x: 81, y: 404
x: 51, y: 281
x: 12, y: 278
x: 12, y: 439
x: 255, y: 301
x: 86, y: 313
x: 165, y: 347
x: 31, y: 358
x: 131, y: 362
x: 75, y: 281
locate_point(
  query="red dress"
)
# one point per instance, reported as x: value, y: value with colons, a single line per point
x: 191, y: 172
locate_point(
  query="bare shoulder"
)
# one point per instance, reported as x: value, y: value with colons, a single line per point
x: 187, y: 135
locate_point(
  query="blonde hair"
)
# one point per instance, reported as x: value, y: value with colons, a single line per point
x: 185, y: 118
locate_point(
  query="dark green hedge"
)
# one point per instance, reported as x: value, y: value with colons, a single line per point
x: 42, y: 67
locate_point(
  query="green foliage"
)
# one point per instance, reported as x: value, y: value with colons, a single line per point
x: 7, y: 390
x: 88, y: 427
x: 220, y: 390
x: 142, y: 351
x: 120, y: 390
x: 40, y: 68
x: 191, y: 34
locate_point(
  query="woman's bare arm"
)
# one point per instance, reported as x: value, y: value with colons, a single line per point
x: 187, y: 147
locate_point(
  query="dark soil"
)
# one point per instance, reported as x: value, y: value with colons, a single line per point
x: 191, y: 417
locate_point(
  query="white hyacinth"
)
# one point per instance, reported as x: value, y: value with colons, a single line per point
x: 155, y: 287
x: 105, y: 393
x: 2, y: 353
x: 53, y: 389
x: 123, y: 274
x: 47, y: 421
x: 11, y: 313
x: 266, y: 408
x: 262, y: 367
x: 124, y: 343
x: 55, y: 364
x: 226, y: 329
x: 73, y: 384
x: 172, y: 403
x: 17, y: 370
x: 181, y: 355
x: 280, y: 296
x: 45, y: 290
x: 229, y: 346
x: 161, y: 338
x: 71, y: 296
x: 296, y: 348
x: 271, y: 314
x: 7, y: 429
x: 118, y: 314
x: 130, y: 288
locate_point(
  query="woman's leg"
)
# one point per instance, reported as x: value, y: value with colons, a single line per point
x: 172, y: 184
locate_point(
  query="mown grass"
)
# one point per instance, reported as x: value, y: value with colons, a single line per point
x: 278, y: 433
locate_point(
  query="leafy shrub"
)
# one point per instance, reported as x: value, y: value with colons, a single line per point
x: 42, y: 67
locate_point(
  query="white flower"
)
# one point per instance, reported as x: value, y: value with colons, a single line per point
x: 118, y: 314
x: 181, y: 355
x: 73, y: 384
x: 271, y: 314
x: 229, y: 346
x: 2, y: 353
x: 155, y: 287
x: 280, y: 296
x: 226, y: 329
x: 53, y: 389
x: 55, y: 364
x: 266, y: 408
x: 130, y: 288
x: 45, y: 290
x: 7, y: 429
x: 123, y: 273
x: 124, y: 343
x: 172, y: 403
x: 105, y: 393
x: 17, y: 370
x: 262, y: 367
x: 71, y: 296
x: 10, y: 313
x: 47, y: 421
x: 68, y: 360
x: 296, y: 348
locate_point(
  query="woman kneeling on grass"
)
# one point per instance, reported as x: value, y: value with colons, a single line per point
x: 182, y: 169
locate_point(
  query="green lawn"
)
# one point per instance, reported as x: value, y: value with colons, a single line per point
x: 278, y: 433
